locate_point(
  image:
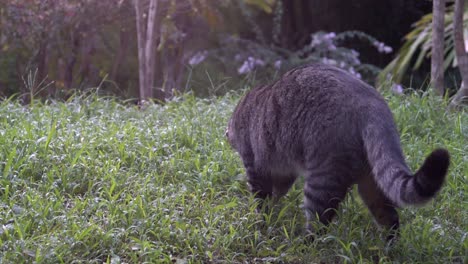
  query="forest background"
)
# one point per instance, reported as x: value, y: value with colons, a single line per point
x: 51, y: 49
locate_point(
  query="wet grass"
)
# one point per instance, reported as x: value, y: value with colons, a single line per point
x: 93, y: 180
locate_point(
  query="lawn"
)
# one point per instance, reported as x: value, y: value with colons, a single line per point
x: 96, y: 180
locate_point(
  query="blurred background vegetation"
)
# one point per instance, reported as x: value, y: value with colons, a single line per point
x: 53, y: 48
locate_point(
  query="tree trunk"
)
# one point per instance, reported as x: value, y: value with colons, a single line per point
x: 121, y: 53
x: 173, y: 63
x: 141, y: 30
x: 461, y: 97
x: 87, y: 51
x: 437, y: 58
x: 124, y: 40
x: 42, y: 70
x: 150, y: 46
x: 70, y: 62
x: 42, y: 66
x: 146, y: 48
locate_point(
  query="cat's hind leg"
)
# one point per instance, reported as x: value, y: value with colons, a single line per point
x: 282, y: 184
x: 382, y: 209
x: 322, y: 196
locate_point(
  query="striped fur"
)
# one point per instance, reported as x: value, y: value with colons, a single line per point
x: 323, y: 123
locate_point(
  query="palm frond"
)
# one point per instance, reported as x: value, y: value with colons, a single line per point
x: 418, y: 47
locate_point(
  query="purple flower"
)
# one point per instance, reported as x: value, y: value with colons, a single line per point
x: 381, y: 47
x: 387, y: 49
x: 277, y: 64
x: 397, y: 88
x: 330, y: 35
x: 249, y: 65
x: 198, y: 58
x: 329, y: 61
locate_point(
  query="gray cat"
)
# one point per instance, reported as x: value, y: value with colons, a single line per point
x: 323, y: 123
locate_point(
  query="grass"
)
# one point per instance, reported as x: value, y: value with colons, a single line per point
x: 93, y: 180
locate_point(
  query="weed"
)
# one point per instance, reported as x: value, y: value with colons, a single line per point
x: 97, y: 181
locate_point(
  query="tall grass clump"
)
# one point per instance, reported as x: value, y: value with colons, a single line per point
x: 94, y: 180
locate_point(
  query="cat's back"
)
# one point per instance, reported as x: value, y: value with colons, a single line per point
x: 322, y: 82
x: 316, y: 92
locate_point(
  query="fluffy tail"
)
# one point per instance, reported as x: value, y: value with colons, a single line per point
x: 393, y: 176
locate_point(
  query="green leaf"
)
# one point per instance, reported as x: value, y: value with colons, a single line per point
x: 265, y: 5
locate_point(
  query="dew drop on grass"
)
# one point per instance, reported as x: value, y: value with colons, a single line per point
x: 29, y: 253
x: 6, y: 228
x: 17, y: 209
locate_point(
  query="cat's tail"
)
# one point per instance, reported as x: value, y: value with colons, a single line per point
x: 392, y: 174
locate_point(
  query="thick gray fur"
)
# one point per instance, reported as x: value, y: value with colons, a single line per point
x: 321, y: 122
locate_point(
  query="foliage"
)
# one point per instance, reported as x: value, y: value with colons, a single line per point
x: 79, y: 43
x: 242, y: 56
x: 417, y: 48
x: 58, y: 38
x: 265, y: 5
x: 264, y: 56
x: 94, y: 180
x: 88, y: 43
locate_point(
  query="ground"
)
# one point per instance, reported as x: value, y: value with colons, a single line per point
x: 95, y: 180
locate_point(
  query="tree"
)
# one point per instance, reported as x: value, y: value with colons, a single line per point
x: 437, y: 58
x: 462, y: 56
x: 124, y: 38
x: 58, y: 38
x: 146, y: 47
